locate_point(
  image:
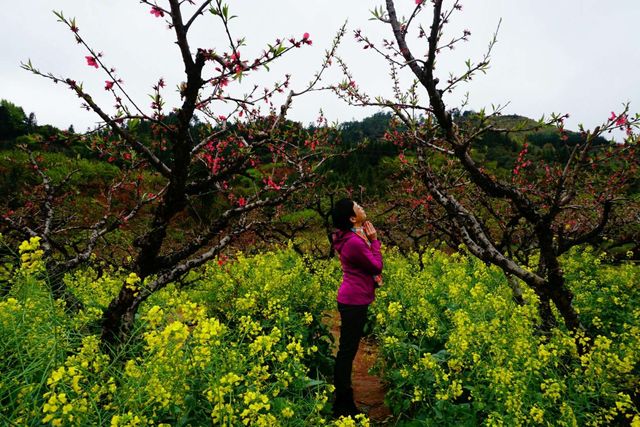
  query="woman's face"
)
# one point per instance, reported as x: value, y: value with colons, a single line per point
x: 360, y: 215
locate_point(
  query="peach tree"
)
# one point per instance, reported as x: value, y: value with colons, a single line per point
x: 217, y: 161
x: 523, y: 221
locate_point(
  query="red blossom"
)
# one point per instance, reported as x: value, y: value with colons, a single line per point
x: 305, y: 39
x: 91, y: 61
x: 157, y: 12
x: 272, y: 184
x: 108, y: 84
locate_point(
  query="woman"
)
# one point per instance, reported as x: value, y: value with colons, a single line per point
x: 357, y: 243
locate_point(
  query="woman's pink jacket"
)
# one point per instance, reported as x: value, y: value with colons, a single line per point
x: 359, y: 264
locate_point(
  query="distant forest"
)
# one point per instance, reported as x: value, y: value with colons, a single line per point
x: 369, y: 167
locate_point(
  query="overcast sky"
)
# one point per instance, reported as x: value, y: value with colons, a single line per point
x: 570, y: 56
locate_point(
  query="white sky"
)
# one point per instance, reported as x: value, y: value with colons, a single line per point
x: 567, y: 56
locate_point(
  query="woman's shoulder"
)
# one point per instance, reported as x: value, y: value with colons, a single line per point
x: 353, y: 240
x: 341, y: 238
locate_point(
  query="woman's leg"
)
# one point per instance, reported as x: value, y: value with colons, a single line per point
x: 352, y: 321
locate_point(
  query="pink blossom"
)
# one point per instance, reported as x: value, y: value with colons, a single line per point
x: 91, y: 61
x: 305, y: 39
x: 272, y: 184
x: 157, y: 12
x: 108, y: 84
x: 621, y: 120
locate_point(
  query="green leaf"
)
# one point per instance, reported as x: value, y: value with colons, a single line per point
x: 314, y: 383
x: 133, y: 124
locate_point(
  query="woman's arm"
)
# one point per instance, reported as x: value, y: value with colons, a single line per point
x: 359, y: 254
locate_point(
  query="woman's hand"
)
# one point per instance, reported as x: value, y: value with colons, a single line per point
x: 370, y: 231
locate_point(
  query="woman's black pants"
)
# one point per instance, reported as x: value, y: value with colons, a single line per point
x: 352, y: 320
